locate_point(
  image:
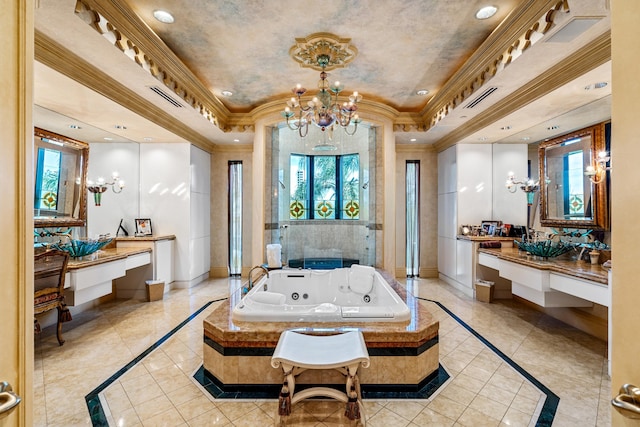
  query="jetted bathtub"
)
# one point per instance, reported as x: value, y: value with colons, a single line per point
x: 357, y: 294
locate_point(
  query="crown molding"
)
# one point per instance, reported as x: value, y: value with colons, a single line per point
x: 522, y: 28
x: 239, y: 148
x: 415, y: 148
x: 55, y: 56
x: 119, y: 24
x: 579, y: 62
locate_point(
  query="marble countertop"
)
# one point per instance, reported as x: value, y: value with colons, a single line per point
x: 578, y: 269
x: 103, y: 256
x: 485, y: 238
x: 144, y: 238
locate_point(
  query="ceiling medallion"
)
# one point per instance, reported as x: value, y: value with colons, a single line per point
x: 307, y: 50
x: 322, y: 51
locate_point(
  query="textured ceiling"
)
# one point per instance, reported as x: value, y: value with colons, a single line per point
x: 243, y: 46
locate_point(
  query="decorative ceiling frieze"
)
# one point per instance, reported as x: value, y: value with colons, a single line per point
x: 579, y: 62
x: 484, y: 65
x: 337, y: 49
x: 189, y: 89
x: 57, y: 57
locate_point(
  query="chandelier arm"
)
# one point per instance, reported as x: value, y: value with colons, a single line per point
x: 355, y: 129
x: 306, y: 129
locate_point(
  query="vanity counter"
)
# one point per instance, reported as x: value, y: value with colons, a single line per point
x: 104, y: 256
x: 145, y: 238
x: 578, y: 269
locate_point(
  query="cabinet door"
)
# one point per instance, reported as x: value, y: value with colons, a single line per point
x: 163, y: 262
x: 464, y: 263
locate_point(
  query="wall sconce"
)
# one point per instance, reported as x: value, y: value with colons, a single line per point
x: 598, y: 172
x: 529, y: 186
x: 100, y: 186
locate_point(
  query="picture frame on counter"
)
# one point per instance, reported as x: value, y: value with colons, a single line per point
x: 143, y: 227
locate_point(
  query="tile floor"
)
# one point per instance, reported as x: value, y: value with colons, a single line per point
x: 483, y: 390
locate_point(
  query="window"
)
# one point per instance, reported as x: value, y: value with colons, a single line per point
x: 324, y: 187
x: 47, y: 179
x: 235, y: 218
x: 575, y: 184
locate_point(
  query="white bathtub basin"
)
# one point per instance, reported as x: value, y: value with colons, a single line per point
x: 351, y: 294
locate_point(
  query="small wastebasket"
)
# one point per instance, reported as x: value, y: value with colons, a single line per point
x: 155, y: 290
x: 484, y: 290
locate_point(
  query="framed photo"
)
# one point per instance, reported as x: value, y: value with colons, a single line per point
x: 143, y: 227
x: 489, y: 227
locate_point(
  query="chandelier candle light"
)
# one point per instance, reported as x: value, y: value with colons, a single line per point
x: 322, y: 51
x: 100, y: 186
x: 597, y: 173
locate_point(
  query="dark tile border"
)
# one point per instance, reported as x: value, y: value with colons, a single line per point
x: 96, y: 412
x: 423, y: 390
x: 268, y: 351
x: 550, y: 406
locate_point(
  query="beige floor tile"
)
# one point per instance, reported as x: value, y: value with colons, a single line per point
x: 387, y: 418
x: 166, y: 418
x: 515, y: 418
x: 489, y: 407
x: 407, y: 409
x: 213, y: 418
x: 447, y: 407
x: 121, y: 329
x: 429, y: 417
x: 473, y: 418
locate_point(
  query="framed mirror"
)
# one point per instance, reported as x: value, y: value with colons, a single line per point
x: 60, y: 175
x: 568, y: 198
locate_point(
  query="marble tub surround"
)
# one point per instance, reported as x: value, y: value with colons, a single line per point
x: 159, y: 390
x: 404, y: 355
x: 562, y: 264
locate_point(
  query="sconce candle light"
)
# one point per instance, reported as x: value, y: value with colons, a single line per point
x: 529, y: 186
x: 598, y: 172
x: 100, y: 186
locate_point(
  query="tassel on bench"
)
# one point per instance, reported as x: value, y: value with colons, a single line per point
x: 284, y: 400
x: 352, y: 410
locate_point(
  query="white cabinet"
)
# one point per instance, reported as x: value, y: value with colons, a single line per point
x: 464, y: 263
x: 591, y: 291
x: 161, y: 266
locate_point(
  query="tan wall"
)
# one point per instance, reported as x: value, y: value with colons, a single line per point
x: 625, y: 201
x: 428, y: 208
x: 220, y: 208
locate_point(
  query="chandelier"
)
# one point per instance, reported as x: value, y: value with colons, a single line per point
x: 323, y: 51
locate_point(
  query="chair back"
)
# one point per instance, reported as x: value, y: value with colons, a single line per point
x: 49, y: 272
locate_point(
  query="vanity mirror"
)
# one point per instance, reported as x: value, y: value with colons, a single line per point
x: 60, y: 169
x: 567, y: 197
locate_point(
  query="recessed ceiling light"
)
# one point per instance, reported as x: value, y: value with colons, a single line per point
x: 120, y: 127
x: 505, y: 127
x: 236, y: 140
x: 106, y: 138
x: 482, y: 138
x: 422, y: 92
x: 554, y: 127
x: 525, y: 138
x: 227, y: 93
x: 74, y: 127
x: 163, y: 16
x: 486, y: 12
x: 148, y: 138
x: 413, y: 140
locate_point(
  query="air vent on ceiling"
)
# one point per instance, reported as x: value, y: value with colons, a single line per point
x: 170, y: 99
x: 481, y: 97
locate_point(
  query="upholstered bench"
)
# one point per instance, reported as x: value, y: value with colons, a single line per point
x: 296, y: 352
